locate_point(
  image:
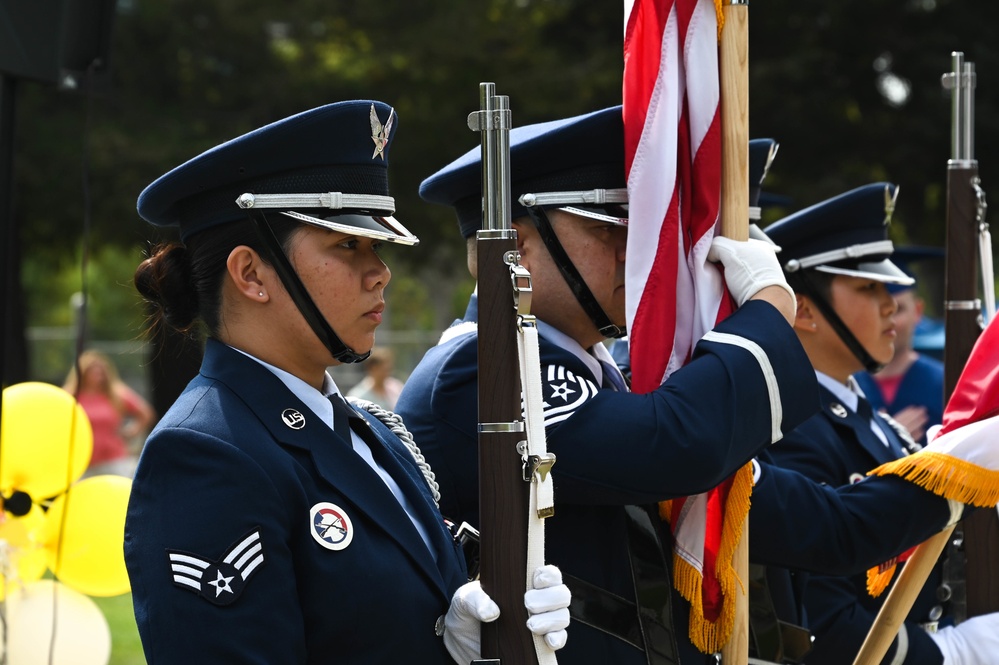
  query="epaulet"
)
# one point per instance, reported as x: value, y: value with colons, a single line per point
x: 457, y: 330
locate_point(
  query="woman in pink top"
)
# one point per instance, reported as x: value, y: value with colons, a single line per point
x: 116, y: 412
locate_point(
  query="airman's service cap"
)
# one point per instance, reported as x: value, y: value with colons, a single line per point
x: 575, y: 164
x: 327, y: 167
x: 908, y: 257
x: 844, y: 235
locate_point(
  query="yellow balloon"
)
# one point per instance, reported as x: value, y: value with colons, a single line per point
x: 47, y: 609
x: 45, y: 440
x: 27, y: 559
x: 85, y: 535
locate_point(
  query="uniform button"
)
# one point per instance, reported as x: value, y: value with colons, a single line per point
x: 944, y: 593
x: 439, y: 626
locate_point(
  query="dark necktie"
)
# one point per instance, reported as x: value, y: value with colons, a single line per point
x: 342, y: 413
x: 864, y: 410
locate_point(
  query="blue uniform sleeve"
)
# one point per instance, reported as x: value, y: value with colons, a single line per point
x: 195, y: 497
x: 801, y: 524
x: 747, y: 383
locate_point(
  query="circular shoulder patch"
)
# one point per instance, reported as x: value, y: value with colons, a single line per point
x: 330, y: 526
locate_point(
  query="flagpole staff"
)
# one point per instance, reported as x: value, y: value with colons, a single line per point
x: 734, y: 69
x: 503, y: 493
x: 733, y: 63
x: 962, y: 326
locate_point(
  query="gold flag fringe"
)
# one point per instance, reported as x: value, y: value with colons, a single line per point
x: 711, y: 636
x: 946, y: 476
x: 720, y: 14
x: 879, y: 577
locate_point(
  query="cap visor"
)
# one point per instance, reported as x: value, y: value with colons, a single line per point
x: 882, y: 271
x: 387, y: 229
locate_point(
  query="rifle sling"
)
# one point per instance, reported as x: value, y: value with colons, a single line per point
x: 646, y: 624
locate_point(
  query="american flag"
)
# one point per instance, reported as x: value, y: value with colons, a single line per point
x: 672, y: 130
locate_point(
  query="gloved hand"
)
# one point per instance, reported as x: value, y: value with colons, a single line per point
x: 972, y: 642
x: 547, y: 606
x: 749, y: 266
x: 470, y: 606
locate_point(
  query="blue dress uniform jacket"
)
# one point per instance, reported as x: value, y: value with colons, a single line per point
x: 224, y: 556
x: 837, y: 447
x: 615, y: 449
x: 922, y: 385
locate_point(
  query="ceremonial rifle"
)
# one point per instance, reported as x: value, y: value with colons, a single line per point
x: 962, y: 325
x: 503, y: 492
x: 963, y: 320
x: 734, y: 70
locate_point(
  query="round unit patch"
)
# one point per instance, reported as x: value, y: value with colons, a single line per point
x: 330, y: 526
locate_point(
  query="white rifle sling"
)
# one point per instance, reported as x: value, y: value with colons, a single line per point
x: 537, y: 463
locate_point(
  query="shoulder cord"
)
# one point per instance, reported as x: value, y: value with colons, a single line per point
x: 394, y: 422
x: 908, y: 443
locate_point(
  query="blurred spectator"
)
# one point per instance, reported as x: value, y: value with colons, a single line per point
x: 910, y: 387
x: 378, y: 386
x: 118, y: 414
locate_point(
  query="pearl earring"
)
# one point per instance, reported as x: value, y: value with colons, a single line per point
x: 261, y: 294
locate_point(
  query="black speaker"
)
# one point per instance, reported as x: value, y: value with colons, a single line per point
x: 55, y: 41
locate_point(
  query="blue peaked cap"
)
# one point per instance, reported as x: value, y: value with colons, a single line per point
x: 339, y: 148
x: 581, y: 153
x: 906, y: 257
x: 844, y: 235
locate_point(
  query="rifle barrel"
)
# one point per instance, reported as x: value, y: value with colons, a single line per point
x: 503, y: 494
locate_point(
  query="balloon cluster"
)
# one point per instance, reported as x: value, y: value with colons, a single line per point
x: 52, y: 520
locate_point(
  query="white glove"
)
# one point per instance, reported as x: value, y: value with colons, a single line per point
x: 972, y: 642
x: 547, y: 607
x: 470, y: 606
x: 749, y: 266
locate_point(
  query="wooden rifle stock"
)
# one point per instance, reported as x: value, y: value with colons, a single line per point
x: 962, y: 327
x: 962, y: 323
x: 503, y: 493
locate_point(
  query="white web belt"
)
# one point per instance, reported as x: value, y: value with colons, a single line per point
x: 537, y: 460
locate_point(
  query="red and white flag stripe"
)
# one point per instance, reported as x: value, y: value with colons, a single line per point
x: 672, y: 130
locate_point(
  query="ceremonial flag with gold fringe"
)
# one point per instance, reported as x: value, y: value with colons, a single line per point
x: 961, y: 462
x: 672, y: 130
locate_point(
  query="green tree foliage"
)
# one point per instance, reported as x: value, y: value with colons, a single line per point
x: 188, y: 74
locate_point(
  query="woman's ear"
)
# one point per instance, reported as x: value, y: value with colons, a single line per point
x: 244, y: 267
x: 806, y: 318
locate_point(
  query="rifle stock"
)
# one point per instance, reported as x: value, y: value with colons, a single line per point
x: 503, y: 494
x: 963, y: 322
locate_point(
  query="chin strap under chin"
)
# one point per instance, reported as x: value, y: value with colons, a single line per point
x: 299, y: 294
x: 572, y: 277
x: 844, y: 333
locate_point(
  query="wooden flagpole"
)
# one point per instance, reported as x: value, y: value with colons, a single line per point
x: 733, y: 63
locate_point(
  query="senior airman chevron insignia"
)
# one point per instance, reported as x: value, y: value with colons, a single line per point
x: 219, y: 582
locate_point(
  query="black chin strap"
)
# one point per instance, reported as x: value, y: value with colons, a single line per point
x: 298, y: 293
x: 844, y: 333
x: 572, y: 277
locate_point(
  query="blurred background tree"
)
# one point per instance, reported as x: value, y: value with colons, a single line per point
x: 851, y: 90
